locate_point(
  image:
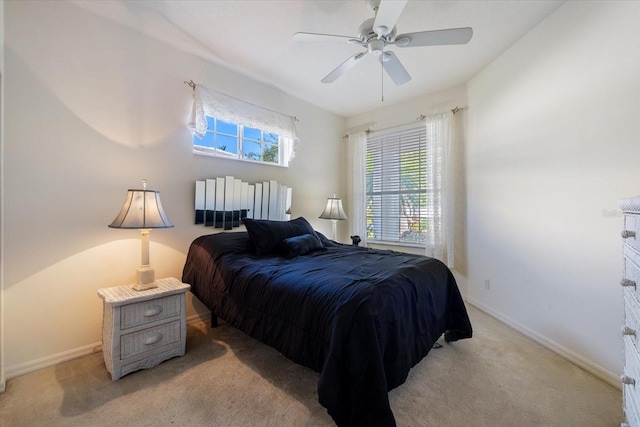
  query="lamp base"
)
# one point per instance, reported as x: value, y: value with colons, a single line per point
x: 146, y: 278
x: 139, y: 287
x: 334, y: 228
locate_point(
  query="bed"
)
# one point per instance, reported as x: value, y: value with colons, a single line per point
x: 360, y: 317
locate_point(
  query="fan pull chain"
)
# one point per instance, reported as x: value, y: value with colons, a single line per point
x: 381, y: 82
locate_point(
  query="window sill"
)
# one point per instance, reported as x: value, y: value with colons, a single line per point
x: 398, y: 244
x: 236, y: 159
x: 413, y: 249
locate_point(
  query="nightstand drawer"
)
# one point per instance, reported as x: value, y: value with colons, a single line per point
x: 150, y: 311
x: 149, y: 339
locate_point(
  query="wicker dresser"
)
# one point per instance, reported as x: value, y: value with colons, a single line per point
x: 143, y: 328
x: 631, y: 327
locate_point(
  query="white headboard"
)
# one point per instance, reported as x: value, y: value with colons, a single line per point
x: 222, y: 202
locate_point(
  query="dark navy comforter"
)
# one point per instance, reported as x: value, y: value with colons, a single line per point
x: 360, y: 317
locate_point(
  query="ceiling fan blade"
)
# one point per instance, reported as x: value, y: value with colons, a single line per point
x: 342, y: 68
x: 394, y: 68
x: 319, y: 37
x: 387, y: 16
x: 435, y: 38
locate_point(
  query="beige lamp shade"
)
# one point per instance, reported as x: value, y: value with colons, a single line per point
x: 142, y: 210
x: 334, y: 210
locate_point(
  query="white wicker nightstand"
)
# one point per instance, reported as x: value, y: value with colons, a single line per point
x: 143, y: 328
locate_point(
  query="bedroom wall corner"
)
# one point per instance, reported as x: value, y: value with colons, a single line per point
x: 2, y: 370
x: 552, y: 146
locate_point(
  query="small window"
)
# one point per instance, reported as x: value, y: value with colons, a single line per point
x: 240, y: 142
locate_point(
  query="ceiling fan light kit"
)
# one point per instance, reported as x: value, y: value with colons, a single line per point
x: 375, y: 47
x: 377, y: 33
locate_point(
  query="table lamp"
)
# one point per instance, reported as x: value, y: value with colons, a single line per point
x: 143, y: 210
x: 334, y: 212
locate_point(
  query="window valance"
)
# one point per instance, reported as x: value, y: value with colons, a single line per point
x: 209, y: 102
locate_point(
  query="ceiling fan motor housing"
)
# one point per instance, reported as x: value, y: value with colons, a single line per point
x: 366, y: 32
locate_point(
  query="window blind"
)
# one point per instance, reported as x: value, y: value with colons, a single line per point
x: 398, y: 187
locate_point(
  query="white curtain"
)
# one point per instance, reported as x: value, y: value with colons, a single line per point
x: 440, y: 186
x: 357, y: 155
x: 209, y: 102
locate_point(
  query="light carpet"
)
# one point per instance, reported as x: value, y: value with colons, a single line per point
x: 227, y: 379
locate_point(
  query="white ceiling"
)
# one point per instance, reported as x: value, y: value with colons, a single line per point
x: 254, y: 37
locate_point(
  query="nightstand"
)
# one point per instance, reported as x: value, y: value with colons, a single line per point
x: 143, y: 328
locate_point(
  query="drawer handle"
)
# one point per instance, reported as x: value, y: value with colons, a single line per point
x: 152, y: 339
x: 627, y: 380
x: 627, y: 282
x: 627, y: 233
x: 154, y: 310
x: 628, y: 331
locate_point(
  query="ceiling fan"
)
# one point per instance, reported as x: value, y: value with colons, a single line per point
x: 377, y: 33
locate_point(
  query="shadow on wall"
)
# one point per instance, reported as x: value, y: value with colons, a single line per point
x: 68, y: 167
x: 133, y: 108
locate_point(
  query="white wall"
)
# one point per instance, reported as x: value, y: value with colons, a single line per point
x: 92, y: 109
x: 553, y: 143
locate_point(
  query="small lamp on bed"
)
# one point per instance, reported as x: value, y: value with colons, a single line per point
x: 142, y: 210
x: 334, y: 212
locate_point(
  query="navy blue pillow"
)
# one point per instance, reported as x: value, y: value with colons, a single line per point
x: 301, y: 245
x: 267, y: 235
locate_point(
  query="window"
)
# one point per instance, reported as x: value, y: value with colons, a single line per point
x: 235, y: 141
x: 397, y: 188
x: 402, y: 185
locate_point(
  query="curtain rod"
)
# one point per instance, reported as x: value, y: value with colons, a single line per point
x: 192, y: 85
x: 421, y: 117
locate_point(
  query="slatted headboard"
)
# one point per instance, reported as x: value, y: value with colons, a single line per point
x: 222, y: 202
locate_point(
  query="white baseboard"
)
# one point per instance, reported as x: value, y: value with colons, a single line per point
x: 55, y: 359
x: 573, y: 357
